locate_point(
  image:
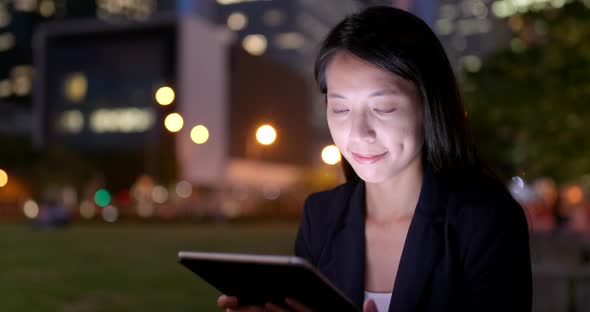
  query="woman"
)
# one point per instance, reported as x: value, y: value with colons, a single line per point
x: 420, y: 225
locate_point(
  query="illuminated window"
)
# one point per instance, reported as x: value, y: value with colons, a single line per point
x: 290, y: 40
x: 71, y: 121
x: 25, y: 5
x: 5, y: 17
x: 123, y: 120
x: 22, y: 79
x: 230, y: 2
x: 131, y: 9
x: 5, y: 88
x: 237, y: 21
x: 6, y: 41
x: 75, y: 87
x: 273, y: 18
x: 47, y: 8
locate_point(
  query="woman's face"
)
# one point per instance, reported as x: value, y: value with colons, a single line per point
x: 374, y: 116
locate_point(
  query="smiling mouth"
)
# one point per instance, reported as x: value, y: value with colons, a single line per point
x: 367, y: 159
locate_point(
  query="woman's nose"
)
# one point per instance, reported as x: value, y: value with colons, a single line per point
x: 361, y: 129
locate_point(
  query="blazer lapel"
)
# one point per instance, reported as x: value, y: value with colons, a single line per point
x: 346, y: 267
x: 423, y: 246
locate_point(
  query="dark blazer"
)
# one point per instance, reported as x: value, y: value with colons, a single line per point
x: 467, y: 247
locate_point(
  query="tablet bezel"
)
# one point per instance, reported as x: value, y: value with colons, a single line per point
x: 260, y: 259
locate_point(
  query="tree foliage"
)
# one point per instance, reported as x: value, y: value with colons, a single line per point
x: 529, y: 103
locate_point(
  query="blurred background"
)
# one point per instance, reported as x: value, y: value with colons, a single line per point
x: 131, y: 129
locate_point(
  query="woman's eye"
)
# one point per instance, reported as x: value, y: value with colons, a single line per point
x: 340, y: 111
x: 385, y: 111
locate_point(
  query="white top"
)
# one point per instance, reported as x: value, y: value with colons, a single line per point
x: 381, y: 299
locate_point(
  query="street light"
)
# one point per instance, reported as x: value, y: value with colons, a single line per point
x: 331, y: 155
x: 255, y: 44
x: 174, y: 122
x: 200, y: 134
x: 3, y: 178
x: 165, y: 96
x: 266, y: 135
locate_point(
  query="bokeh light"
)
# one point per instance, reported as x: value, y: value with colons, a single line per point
x: 229, y: 2
x: 240, y: 193
x: 184, y: 189
x: 22, y: 79
x: 574, y: 195
x: 271, y: 192
x: 3, y: 178
x: 255, y: 44
x: 159, y: 194
x: 5, y: 88
x: 102, y: 197
x: 290, y: 40
x: 266, y: 135
x: 110, y: 213
x: 471, y: 63
x: 47, y: 8
x: 273, y: 17
x: 76, y: 87
x: 165, y: 96
x: 7, y: 41
x: 69, y: 196
x: 71, y: 121
x: 237, y: 21
x: 125, y: 120
x: 230, y: 208
x: 174, y: 122
x: 200, y: 134
x: 331, y: 155
x: 145, y: 209
x: 31, y: 209
x: 5, y: 18
x: 87, y: 209
x: 517, y: 185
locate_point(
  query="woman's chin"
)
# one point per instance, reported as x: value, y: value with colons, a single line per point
x: 371, y: 177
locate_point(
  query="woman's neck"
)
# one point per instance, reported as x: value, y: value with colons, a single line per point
x: 395, y: 199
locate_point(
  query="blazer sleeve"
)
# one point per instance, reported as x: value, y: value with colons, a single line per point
x: 496, y: 258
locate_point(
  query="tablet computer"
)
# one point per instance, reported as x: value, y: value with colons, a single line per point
x: 258, y: 279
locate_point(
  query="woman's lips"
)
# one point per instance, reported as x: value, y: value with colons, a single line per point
x: 367, y: 159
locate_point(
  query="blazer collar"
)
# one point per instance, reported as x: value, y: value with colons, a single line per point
x: 421, y: 249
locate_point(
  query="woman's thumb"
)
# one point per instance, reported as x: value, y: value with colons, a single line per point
x: 370, y: 306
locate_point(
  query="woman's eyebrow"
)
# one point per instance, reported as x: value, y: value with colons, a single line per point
x: 373, y: 94
x: 385, y: 92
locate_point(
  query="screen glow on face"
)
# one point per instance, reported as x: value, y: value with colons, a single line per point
x: 375, y: 117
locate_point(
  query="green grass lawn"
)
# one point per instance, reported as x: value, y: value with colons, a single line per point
x: 120, y: 267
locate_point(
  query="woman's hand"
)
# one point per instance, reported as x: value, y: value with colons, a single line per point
x: 230, y: 304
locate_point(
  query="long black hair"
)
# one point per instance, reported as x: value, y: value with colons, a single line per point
x: 404, y: 45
